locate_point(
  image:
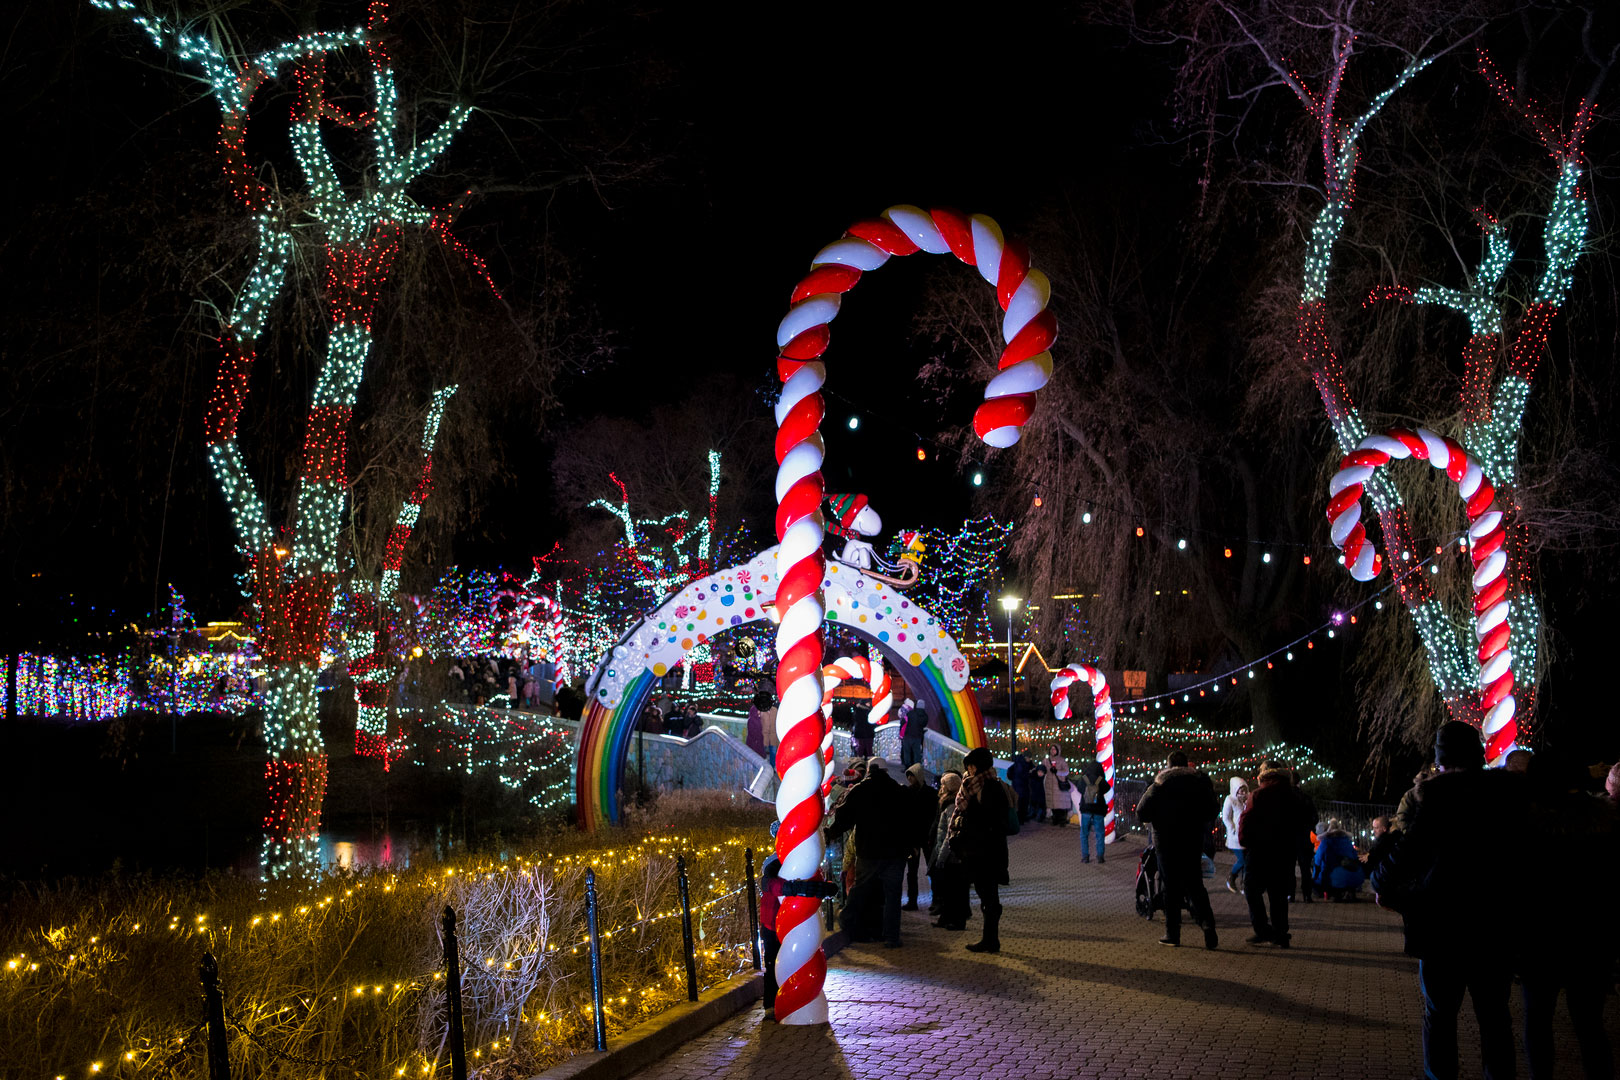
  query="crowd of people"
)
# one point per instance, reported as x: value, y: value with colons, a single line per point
x: 1542, y: 810
x: 510, y: 681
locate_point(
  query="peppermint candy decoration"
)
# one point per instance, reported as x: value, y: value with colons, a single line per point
x: 1103, y: 710
x: 802, y: 337
x: 1486, y: 543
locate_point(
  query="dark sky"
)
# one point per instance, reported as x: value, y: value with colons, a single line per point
x: 776, y: 134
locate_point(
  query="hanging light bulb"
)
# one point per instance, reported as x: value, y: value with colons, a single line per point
x: 978, y: 479
x: 1266, y: 557
x: 922, y: 455
x: 1085, y: 518
x: 854, y: 422
x: 1037, y: 501
x: 1181, y: 545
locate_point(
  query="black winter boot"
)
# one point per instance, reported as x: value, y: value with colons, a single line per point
x: 991, y: 942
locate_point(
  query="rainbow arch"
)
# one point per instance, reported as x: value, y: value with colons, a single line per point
x: 911, y: 639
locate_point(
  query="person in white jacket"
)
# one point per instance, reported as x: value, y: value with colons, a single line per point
x: 1237, y: 801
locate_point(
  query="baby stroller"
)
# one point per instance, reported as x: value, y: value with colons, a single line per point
x: 1150, y: 886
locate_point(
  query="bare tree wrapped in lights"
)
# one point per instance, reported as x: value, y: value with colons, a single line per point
x: 294, y: 569
x: 1498, y: 366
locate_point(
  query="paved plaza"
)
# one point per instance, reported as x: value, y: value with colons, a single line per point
x: 1083, y: 989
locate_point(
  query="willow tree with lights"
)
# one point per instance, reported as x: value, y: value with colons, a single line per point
x: 355, y: 230
x: 1499, y: 359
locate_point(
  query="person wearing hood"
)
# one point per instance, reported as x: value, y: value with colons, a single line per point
x: 922, y: 799
x: 1337, y: 869
x: 1057, y: 788
x: 1433, y: 878
x: 1091, y: 802
x: 1180, y: 804
x: 947, y: 884
x: 879, y: 812
x: 1237, y: 801
x: 978, y: 836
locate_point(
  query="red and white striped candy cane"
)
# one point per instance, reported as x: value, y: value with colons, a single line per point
x: 842, y: 670
x: 1103, y: 709
x: 1486, y: 540
x: 802, y: 337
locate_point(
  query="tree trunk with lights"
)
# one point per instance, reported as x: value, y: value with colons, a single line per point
x: 294, y: 569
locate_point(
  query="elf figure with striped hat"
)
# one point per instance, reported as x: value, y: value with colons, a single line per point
x: 852, y: 518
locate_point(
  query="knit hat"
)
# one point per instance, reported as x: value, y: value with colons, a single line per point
x: 979, y: 757
x: 1457, y: 746
x: 846, y: 508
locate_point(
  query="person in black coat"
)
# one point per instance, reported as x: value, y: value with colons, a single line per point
x: 1018, y: 775
x: 884, y: 818
x: 1277, y: 821
x: 978, y: 837
x: 1577, y: 845
x: 1179, y: 804
x: 1385, y: 837
x: 1454, y: 906
x: 923, y: 799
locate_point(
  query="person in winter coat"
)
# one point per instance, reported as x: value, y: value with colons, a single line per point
x: 1385, y: 837
x: 1019, y: 771
x: 978, y: 836
x: 1271, y: 832
x: 1433, y: 878
x: 1180, y: 804
x: 1572, y: 948
x: 771, y: 888
x: 922, y: 798
x: 879, y: 812
x: 754, y: 733
x: 1091, y: 803
x: 913, y: 729
x: 1057, y: 788
x: 767, y: 723
x: 1237, y: 801
x: 1037, y: 793
x: 949, y: 885
x: 861, y: 731
x: 1337, y: 869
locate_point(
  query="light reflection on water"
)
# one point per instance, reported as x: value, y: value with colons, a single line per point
x: 385, y: 852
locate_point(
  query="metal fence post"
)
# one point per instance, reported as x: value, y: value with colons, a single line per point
x: 219, y: 1061
x: 753, y: 908
x: 596, y: 960
x: 686, y: 928
x: 452, y: 987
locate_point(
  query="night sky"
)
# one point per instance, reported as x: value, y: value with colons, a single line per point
x: 771, y: 140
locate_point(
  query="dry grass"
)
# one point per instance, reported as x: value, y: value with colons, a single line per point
x: 101, y: 979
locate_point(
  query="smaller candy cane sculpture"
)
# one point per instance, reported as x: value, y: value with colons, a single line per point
x: 1103, y: 710
x: 842, y: 670
x: 1486, y: 538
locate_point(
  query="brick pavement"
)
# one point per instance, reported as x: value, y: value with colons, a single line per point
x: 1083, y: 989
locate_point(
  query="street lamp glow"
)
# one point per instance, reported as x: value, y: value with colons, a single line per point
x: 1010, y: 603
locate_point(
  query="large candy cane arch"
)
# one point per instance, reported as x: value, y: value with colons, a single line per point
x: 1485, y: 538
x: 851, y: 669
x: 1103, y: 709
x: 802, y: 337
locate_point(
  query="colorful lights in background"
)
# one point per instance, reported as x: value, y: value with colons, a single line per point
x: 527, y: 752
x: 962, y: 571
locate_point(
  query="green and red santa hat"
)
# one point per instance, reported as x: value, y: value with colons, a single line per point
x: 852, y: 514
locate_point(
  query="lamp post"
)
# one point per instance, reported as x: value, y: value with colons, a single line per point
x: 1009, y: 604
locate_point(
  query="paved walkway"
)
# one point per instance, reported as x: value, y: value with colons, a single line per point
x: 1083, y: 989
